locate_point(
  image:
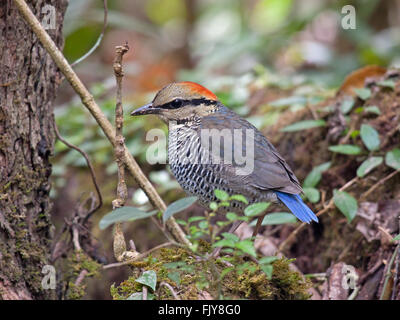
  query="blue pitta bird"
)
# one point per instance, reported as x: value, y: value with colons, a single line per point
x: 195, y: 116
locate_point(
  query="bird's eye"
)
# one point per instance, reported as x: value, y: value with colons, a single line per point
x: 177, y: 103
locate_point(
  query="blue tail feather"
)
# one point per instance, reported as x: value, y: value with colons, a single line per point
x: 297, y: 206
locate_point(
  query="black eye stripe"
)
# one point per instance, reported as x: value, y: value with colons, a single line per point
x: 178, y: 103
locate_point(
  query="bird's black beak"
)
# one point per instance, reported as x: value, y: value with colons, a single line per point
x: 146, y: 109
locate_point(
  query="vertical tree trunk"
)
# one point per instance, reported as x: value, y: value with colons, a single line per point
x: 28, y: 83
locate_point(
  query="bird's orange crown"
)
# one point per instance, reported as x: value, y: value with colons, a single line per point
x: 199, y: 89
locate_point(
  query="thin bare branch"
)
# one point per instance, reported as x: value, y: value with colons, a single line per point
x: 140, y: 256
x: 122, y: 190
x: 91, y: 169
x: 165, y: 284
x: 376, y: 185
x: 386, y: 290
x: 144, y: 293
x: 81, y: 277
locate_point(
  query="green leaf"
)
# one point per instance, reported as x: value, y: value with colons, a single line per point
x: 148, y: 278
x: 268, y: 260
x: 346, y: 203
x: 303, y: 125
x: 387, y: 83
x: 179, y: 265
x: 173, y: 265
x: 181, y: 222
x: 276, y: 218
x: 124, y: 214
x: 368, y: 165
x: 221, y: 195
x: 370, y: 137
x: 372, y: 109
x: 139, y: 296
x: 195, y: 218
x: 178, y: 206
x: 226, y: 271
x: 346, y: 149
x: 230, y: 236
x: 246, y: 246
x: 354, y: 134
x: 256, y: 209
x: 231, y: 216
x: 224, y: 204
x: 283, y: 102
x: 213, y: 206
x: 347, y: 105
x: 224, y: 243
x: 314, y: 176
x: 363, y: 93
x: 268, y: 269
x: 312, y: 194
x: 203, y: 224
x: 135, y: 296
x: 175, y: 277
x: 239, y: 197
x: 396, y: 238
x: 392, y: 159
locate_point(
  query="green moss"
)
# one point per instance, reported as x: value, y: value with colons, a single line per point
x: 75, y: 292
x: 197, y: 275
x: 78, y: 262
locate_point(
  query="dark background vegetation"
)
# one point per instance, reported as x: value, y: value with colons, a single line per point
x: 252, y: 54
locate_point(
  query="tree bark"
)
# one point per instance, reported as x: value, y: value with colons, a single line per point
x: 28, y: 83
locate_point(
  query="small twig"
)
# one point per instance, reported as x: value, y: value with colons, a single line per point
x: 119, y: 244
x: 144, y: 293
x: 396, y: 275
x: 122, y: 191
x: 96, y: 45
x: 396, y: 271
x: 371, y: 271
x: 313, y: 113
x: 91, y: 169
x: 388, y: 136
x: 132, y: 245
x: 81, y: 277
x: 345, y: 139
x: 388, y: 274
x: 165, y: 284
x: 75, y: 239
x: 376, y: 185
x: 140, y: 256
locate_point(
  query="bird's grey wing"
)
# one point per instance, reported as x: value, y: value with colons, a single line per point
x: 270, y: 171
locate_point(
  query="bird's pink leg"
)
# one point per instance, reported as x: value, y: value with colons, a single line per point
x: 258, y: 225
